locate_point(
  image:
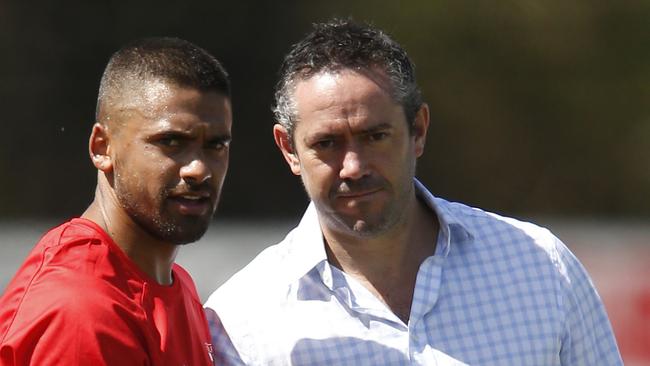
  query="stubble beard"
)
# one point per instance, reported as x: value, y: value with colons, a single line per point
x: 177, y: 231
x: 370, y: 225
x: 390, y: 216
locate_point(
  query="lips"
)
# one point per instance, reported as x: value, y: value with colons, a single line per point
x: 192, y: 204
x: 357, y: 194
x: 362, y: 189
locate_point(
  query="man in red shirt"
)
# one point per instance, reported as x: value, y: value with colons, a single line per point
x: 103, y: 289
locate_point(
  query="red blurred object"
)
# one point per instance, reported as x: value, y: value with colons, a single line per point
x: 622, y: 277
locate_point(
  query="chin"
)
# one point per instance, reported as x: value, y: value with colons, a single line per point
x: 180, y: 231
x: 185, y: 235
x: 362, y: 228
x: 189, y: 233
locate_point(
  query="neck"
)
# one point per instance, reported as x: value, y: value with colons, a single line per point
x: 387, y: 264
x: 153, y: 256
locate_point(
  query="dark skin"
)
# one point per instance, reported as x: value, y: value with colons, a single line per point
x: 161, y: 158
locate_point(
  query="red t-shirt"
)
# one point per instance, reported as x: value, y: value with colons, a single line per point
x: 79, y: 300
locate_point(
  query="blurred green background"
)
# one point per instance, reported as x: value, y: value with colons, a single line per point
x: 539, y: 107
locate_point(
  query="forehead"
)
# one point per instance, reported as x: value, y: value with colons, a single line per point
x: 343, y: 84
x: 344, y: 96
x: 160, y: 104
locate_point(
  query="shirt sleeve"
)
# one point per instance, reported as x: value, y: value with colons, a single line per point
x: 225, y: 352
x: 588, y: 337
x: 73, y: 330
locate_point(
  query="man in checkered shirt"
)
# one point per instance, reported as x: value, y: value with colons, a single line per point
x: 379, y: 271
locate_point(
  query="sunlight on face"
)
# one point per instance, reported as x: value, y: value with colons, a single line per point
x: 171, y: 157
x: 356, y: 155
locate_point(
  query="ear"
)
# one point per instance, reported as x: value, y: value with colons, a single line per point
x: 283, y: 140
x: 421, y: 126
x: 99, y: 148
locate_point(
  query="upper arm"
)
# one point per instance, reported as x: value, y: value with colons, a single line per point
x: 588, y: 338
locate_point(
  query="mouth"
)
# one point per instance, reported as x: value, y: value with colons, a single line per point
x: 192, y: 204
x: 358, y: 194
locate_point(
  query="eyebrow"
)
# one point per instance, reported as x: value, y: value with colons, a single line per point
x: 371, y: 129
x: 379, y: 127
x: 225, y: 138
x: 173, y: 133
x: 325, y: 135
x: 183, y: 134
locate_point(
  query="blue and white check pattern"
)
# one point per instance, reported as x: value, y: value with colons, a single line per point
x: 497, y: 292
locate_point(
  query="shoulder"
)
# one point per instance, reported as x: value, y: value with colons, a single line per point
x: 57, y: 306
x: 279, y: 265
x: 245, y: 311
x: 78, y: 296
x: 263, y: 283
x: 511, y: 254
x: 264, y: 275
x: 505, y: 244
x: 73, y: 323
x: 66, y: 276
x: 491, y: 228
x: 59, y: 256
x: 518, y: 246
x: 73, y: 259
x: 70, y: 232
x: 74, y: 245
x: 522, y: 243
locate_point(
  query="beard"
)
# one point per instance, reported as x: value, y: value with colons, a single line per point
x: 158, y: 221
x: 369, y: 221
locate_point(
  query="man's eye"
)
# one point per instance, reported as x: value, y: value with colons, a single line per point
x: 218, y: 145
x: 377, y: 136
x: 324, y: 144
x: 170, y: 141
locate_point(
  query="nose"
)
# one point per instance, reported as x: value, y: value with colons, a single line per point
x: 353, y: 166
x: 195, y: 171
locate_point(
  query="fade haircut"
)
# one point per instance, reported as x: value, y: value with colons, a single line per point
x: 341, y: 44
x: 170, y: 60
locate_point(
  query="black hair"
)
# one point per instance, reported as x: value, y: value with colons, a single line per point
x: 168, y: 59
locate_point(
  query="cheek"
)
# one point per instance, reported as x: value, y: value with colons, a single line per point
x: 219, y: 172
x: 218, y: 164
x: 156, y: 176
x: 317, y: 177
x: 143, y: 170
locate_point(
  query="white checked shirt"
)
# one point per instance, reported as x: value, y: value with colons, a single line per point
x: 496, y: 292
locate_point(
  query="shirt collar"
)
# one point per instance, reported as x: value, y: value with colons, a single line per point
x: 307, y: 247
x: 452, y: 228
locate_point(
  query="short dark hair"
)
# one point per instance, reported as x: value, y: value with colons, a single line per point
x: 163, y: 58
x: 340, y: 44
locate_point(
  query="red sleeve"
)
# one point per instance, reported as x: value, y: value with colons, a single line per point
x: 60, y: 327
